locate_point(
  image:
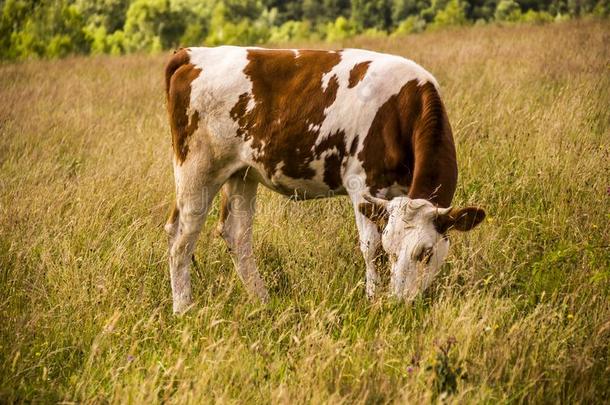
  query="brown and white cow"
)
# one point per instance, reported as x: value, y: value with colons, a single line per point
x: 310, y: 124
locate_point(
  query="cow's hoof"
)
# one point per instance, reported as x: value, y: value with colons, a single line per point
x: 182, y: 306
x: 263, y: 296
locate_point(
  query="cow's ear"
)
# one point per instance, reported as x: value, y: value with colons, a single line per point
x: 462, y: 219
x: 375, y: 212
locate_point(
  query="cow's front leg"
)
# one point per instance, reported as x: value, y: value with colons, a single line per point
x: 235, y: 227
x: 370, y: 242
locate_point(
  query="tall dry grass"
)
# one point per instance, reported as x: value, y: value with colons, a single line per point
x: 521, y: 312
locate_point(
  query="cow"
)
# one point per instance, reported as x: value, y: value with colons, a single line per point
x: 310, y: 124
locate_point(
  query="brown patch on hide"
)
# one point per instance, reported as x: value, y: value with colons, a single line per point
x: 357, y: 73
x: 354, y: 147
x: 410, y: 144
x: 289, y: 102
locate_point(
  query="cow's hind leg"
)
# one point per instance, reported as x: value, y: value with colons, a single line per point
x: 235, y: 226
x: 193, y: 202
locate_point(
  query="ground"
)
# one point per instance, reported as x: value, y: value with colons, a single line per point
x: 521, y: 312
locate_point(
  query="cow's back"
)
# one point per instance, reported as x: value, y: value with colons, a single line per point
x: 302, y: 118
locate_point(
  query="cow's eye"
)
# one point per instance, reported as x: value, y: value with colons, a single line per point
x: 425, y: 255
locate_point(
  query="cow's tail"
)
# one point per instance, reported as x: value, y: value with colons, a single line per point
x: 179, y: 59
x: 184, y: 121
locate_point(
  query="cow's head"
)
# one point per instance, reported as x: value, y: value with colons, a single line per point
x: 414, y: 235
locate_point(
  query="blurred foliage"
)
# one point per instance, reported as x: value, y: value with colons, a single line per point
x: 453, y: 14
x: 55, y: 28
x: 508, y: 10
x: 410, y: 25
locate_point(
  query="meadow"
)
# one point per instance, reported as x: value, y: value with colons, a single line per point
x: 520, y: 313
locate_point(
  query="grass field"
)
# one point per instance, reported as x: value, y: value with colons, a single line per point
x: 521, y: 312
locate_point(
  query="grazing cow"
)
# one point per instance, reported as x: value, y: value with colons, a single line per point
x: 310, y: 124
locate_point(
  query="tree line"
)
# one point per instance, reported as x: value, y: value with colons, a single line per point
x: 55, y: 28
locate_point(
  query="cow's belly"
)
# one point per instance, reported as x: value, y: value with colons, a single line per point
x: 299, y: 189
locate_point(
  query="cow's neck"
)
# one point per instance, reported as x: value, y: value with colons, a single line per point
x: 433, y: 151
x: 434, y: 166
x: 410, y: 145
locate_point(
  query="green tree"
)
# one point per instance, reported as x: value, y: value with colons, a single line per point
x: 453, y: 14
x: 339, y: 30
x: 245, y: 32
x: 480, y: 9
x: 410, y: 25
x: 151, y: 25
x: 402, y: 9
x: 508, y: 10
x: 109, y: 14
x: 536, y: 17
x: 372, y: 14
x: 14, y: 17
x: 239, y: 10
x: 54, y: 28
x: 196, y: 16
x: 323, y: 11
x: 602, y: 8
x: 286, y: 10
x: 433, y: 8
x: 291, y: 31
x: 46, y: 28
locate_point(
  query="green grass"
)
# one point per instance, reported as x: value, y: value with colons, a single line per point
x: 520, y: 313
